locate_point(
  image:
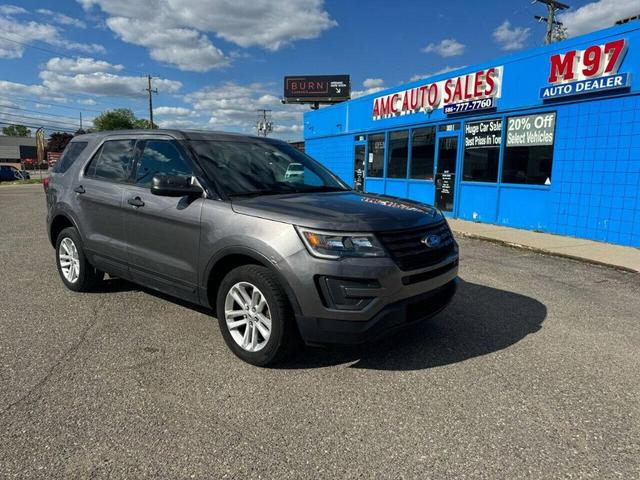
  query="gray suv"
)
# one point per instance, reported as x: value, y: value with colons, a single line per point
x: 218, y: 219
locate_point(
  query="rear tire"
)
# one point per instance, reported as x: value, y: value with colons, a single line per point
x: 255, y: 317
x: 76, y: 272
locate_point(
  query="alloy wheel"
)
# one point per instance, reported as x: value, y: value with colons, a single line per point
x: 247, y: 316
x: 69, y: 260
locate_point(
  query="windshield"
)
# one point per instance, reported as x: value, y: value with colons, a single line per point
x: 256, y: 167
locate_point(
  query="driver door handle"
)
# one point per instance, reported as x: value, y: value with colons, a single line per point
x: 79, y: 189
x: 136, y: 202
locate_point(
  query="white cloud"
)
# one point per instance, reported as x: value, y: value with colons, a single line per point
x: 449, y: 47
x: 373, y: 83
x: 11, y: 10
x: 233, y: 107
x: 11, y: 88
x: 511, y: 38
x: 19, y: 33
x: 103, y: 83
x: 61, y: 18
x: 176, y: 111
x: 87, y: 101
x: 370, y: 86
x: 175, y: 31
x: 182, y: 123
x: 187, y: 49
x: 598, y: 15
x: 446, y: 69
x: 80, y: 65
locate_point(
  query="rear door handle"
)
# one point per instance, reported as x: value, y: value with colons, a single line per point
x: 136, y: 202
x: 79, y: 189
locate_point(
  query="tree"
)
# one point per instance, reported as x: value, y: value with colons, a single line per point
x: 559, y: 33
x: 16, y: 131
x: 58, y: 141
x: 143, y: 123
x: 118, y: 119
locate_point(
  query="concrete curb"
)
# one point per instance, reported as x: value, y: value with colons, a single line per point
x: 543, y: 251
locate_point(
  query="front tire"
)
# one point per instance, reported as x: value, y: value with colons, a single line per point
x: 76, y: 272
x: 255, y: 317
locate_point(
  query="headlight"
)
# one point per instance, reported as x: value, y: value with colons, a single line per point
x: 336, y: 245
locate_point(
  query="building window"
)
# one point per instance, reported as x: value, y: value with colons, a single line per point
x: 423, y: 153
x: 528, y: 157
x: 375, y: 163
x: 398, y: 154
x: 482, y: 142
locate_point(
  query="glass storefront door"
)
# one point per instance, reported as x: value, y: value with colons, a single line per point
x: 358, y: 168
x: 447, y: 159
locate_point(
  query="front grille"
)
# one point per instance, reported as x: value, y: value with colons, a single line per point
x: 408, y: 251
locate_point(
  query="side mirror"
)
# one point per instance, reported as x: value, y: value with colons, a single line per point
x: 174, y: 186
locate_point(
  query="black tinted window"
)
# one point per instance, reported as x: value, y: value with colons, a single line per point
x: 398, y: 154
x: 160, y: 157
x: 375, y: 165
x: 113, y: 161
x: 70, y: 155
x: 423, y: 153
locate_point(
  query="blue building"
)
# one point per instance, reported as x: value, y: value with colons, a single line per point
x: 546, y: 139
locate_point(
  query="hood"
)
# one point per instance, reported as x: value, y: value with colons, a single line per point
x: 346, y: 211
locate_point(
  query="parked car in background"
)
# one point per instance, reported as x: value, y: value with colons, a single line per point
x: 294, y: 170
x: 9, y: 173
x: 215, y: 219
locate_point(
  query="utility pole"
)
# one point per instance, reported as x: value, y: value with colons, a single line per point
x: 552, y: 8
x: 151, y: 91
x: 264, y: 123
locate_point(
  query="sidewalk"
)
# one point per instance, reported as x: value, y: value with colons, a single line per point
x: 625, y: 258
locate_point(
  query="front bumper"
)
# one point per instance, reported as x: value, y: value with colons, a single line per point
x: 393, y: 317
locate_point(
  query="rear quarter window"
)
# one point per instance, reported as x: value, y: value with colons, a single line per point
x: 69, y: 156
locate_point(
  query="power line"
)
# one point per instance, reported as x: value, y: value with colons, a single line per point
x: 34, y: 100
x: 79, y: 108
x: 45, y: 127
x: 75, y: 125
x: 58, y: 52
x: 11, y: 107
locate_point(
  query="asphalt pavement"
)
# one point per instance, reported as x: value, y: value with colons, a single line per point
x: 533, y: 372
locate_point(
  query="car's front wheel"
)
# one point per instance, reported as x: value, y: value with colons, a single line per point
x: 255, y: 317
x: 75, y: 270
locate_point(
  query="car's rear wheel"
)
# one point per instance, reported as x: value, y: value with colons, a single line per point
x: 75, y: 270
x: 255, y: 316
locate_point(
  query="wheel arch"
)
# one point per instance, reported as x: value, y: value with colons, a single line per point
x: 59, y: 222
x: 232, y: 257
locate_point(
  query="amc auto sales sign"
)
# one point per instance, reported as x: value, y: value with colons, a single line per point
x: 466, y: 93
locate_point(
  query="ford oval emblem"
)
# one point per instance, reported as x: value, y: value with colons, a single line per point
x: 432, y: 241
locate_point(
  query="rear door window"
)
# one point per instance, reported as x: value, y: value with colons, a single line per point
x: 69, y: 156
x: 113, y: 161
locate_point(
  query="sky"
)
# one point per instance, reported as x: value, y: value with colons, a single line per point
x: 215, y: 62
